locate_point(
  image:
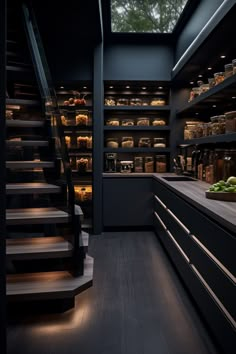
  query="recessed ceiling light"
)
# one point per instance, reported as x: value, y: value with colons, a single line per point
x: 214, y: 106
x: 196, y: 113
x: 223, y: 56
x: 61, y: 87
x: 233, y: 97
x: 144, y: 88
x: 209, y: 68
x: 111, y: 87
x: 160, y: 87
x: 200, y: 75
x: 84, y: 87
x: 191, y: 82
x: 127, y: 87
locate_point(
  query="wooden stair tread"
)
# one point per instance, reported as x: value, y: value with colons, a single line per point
x: 34, y: 187
x: 12, y: 143
x: 36, y: 216
x: 18, y: 123
x: 19, y: 101
x: 49, y: 285
x: 29, y: 164
x: 38, y: 247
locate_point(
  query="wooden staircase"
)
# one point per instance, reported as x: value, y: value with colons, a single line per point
x: 45, y: 261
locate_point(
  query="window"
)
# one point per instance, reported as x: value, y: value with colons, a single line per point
x: 145, y: 16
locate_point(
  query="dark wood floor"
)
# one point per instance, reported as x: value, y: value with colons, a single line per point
x: 137, y: 305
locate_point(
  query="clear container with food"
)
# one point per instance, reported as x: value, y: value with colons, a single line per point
x: 211, y: 82
x: 149, y: 164
x: 161, y: 163
x: 158, y: 122
x: 138, y: 164
x: 190, y: 130
x: 145, y: 102
x: 135, y: 102
x: 228, y: 70
x: 159, y: 142
x: 81, y: 119
x: 221, y: 120
x: 234, y: 66
x: 199, y: 130
x: 122, y: 102
x: 204, y: 88
x: 110, y: 101
x: 112, y: 143
x: 144, y: 142
x: 68, y: 141
x: 82, y: 165
x: 215, y: 130
x: 144, y: 121
x: 82, y: 142
x: 230, y: 122
x: 195, y: 92
x: 113, y: 122
x: 128, y: 122
x: 158, y: 102
x: 127, y: 142
x: 205, y: 129
x: 219, y: 77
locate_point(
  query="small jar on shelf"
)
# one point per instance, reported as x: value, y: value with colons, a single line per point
x: 219, y: 77
x: 113, y: 122
x: 110, y: 101
x: 148, y: 164
x: 230, y: 122
x: 68, y: 141
x: 90, y: 142
x: 82, y: 142
x: 195, y: 92
x: 228, y: 70
x: 144, y: 142
x: 158, y: 122
x: 122, y: 102
x: 112, y: 143
x: 145, y: 102
x: 127, y: 142
x: 215, y: 126
x: 158, y: 102
x: 234, y: 66
x: 144, y: 121
x: 199, y: 130
x: 204, y: 88
x: 205, y: 129
x: 211, y: 82
x: 82, y: 165
x: 160, y: 163
x: 138, y: 164
x: 81, y: 119
x: 159, y: 142
x: 127, y: 122
x: 135, y: 102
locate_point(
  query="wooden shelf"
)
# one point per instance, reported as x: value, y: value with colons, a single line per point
x: 223, y: 138
x: 137, y: 108
x: 137, y: 128
x: 76, y: 108
x: 137, y: 150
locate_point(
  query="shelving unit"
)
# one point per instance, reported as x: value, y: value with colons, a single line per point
x: 78, y: 132
x: 139, y: 102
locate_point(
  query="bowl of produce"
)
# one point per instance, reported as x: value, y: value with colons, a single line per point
x: 223, y: 190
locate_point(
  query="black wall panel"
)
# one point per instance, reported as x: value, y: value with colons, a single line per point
x: 138, y: 62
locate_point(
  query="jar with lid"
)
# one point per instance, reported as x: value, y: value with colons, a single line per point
x: 144, y: 121
x: 199, y: 130
x: 230, y: 122
x: 149, y: 164
x: 204, y: 88
x: 234, y: 66
x: 160, y: 163
x: 229, y: 168
x: 135, y: 102
x: 113, y: 122
x: 221, y: 120
x: 211, y: 82
x: 82, y: 165
x: 195, y: 92
x: 82, y: 142
x: 158, y: 122
x: 219, y: 77
x: 215, y: 125
x: 122, y: 102
x: 110, y: 101
x: 228, y: 70
x: 112, y: 143
x: 158, y: 102
x: 138, y: 164
x: 159, y: 142
x: 218, y: 165
x: 205, y: 129
x: 144, y: 142
x: 127, y: 122
x: 127, y: 142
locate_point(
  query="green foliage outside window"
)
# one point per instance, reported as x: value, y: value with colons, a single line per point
x: 153, y: 16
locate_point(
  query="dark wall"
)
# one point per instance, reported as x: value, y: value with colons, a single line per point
x: 138, y: 62
x: 203, y: 13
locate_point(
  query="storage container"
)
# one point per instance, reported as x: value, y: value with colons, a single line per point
x: 122, y: 102
x: 135, y: 102
x: 230, y: 122
x: 228, y: 70
x: 112, y: 143
x: 158, y: 122
x: 144, y: 121
x: 110, y: 101
x: 158, y: 102
x: 127, y: 122
x: 144, y: 142
x: 138, y: 164
x: 81, y: 119
x: 149, y: 164
x: 215, y: 128
x: 219, y: 77
x: 113, y: 122
x: 159, y: 142
x: 234, y: 66
x: 127, y: 142
x: 160, y: 163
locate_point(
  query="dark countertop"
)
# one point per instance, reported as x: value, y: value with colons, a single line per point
x: 194, y: 193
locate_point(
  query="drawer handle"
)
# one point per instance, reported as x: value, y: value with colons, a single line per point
x: 178, y: 246
x: 179, y: 222
x: 161, y: 222
x: 160, y: 202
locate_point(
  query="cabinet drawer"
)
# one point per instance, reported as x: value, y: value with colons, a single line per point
x: 207, y: 231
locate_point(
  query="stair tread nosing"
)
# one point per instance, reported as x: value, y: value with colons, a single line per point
x: 34, y: 187
x: 43, y: 247
x: 18, y: 123
x: 46, y: 285
x: 13, y: 143
x: 36, y: 216
x: 29, y: 164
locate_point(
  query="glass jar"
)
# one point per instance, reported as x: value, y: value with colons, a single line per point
x: 112, y: 143
x: 204, y: 88
x: 138, y: 164
x: 135, y: 102
x: 219, y: 77
x: 82, y: 142
x: 144, y: 142
x: 149, y: 164
x: 110, y: 101
x: 195, y: 92
x: 158, y: 102
x: 127, y: 122
x: 190, y: 131
x: 158, y: 122
x: 82, y: 165
x: 234, y: 66
x: 205, y: 129
x: 228, y: 70
x: 122, y: 102
x: 81, y: 119
x: 230, y: 122
x: 159, y: 142
x: 229, y: 168
x: 211, y: 82
x: 127, y: 142
x: 199, y: 130
x: 221, y: 120
x: 215, y: 129
x: 113, y: 122
x: 160, y: 163
x: 68, y: 141
x: 144, y: 121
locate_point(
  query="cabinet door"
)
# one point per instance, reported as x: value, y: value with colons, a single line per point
x: 127, y: 201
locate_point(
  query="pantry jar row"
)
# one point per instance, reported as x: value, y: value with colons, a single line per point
x: 80, y: 142
x: 141, y: 121
x: 140, y: 164
x: 76, y: 119
x: 222, y: 124
x: 128, y: 142
x: 157, y: 101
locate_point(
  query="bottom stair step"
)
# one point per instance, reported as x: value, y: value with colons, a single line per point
x: 38, y: 248
x: 49, y: 285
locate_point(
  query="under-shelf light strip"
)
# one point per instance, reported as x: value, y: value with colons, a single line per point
x: 220, y: 265
x: 218, y: 302
x: 199, y: 34
x: 178, y: 246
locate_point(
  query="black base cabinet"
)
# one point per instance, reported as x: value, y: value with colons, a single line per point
x: 127, y: 201
x: 204, y: 255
